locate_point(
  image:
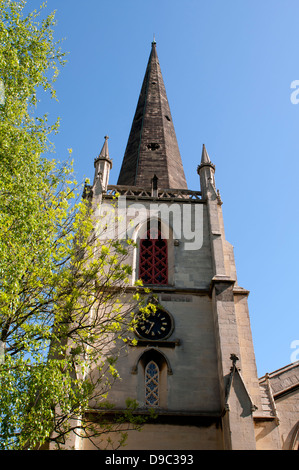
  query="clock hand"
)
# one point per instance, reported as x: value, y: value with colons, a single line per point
x: 152, y: 324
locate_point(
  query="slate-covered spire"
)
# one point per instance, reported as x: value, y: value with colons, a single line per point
x: 152, y: 147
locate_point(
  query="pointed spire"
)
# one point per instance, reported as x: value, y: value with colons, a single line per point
x: 205, y: 156
x: 205, y: 159
x: 103, y: 165
x: 206, y: 171
x: 152, y: 147
x: 105, y: 151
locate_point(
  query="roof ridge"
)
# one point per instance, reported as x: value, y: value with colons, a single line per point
x: 293, y: 365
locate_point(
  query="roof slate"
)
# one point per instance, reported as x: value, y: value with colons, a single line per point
x: 152, y: 148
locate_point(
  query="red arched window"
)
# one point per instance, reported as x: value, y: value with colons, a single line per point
x: 153, y: 259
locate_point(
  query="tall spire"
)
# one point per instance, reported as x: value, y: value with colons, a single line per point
x: 152, y: 147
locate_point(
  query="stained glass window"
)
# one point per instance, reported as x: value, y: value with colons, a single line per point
x: 152, y: 384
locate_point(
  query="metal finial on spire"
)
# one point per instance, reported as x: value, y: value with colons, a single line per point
x: 154, y: 40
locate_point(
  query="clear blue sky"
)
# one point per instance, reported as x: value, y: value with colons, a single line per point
x: 227, y: 66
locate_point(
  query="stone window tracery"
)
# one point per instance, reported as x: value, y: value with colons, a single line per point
x: 152, y: 384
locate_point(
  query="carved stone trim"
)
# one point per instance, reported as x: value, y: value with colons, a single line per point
x: 133, y: 192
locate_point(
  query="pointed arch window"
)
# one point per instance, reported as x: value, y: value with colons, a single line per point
x: 152, y: 368
x: 152, y: 384
x: 153, y: 258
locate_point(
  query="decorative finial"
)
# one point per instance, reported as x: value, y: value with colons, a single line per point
x: 154, y: 40
x: 234, y: 358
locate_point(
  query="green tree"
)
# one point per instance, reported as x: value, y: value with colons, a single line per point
x: 60, y: 286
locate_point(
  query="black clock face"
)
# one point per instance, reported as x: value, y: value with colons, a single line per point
x: 156, y: 325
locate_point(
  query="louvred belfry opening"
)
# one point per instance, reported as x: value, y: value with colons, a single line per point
x: 153, y: 259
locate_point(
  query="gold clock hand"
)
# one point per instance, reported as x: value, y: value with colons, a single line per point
x: 152, y: 324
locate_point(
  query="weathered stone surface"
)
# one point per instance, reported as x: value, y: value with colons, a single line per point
x: 152, y: 147
x: 208, y: 384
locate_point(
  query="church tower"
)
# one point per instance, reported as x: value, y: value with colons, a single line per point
x: 194, y: 362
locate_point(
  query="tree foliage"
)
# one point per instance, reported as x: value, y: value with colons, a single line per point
x: 60, y: 286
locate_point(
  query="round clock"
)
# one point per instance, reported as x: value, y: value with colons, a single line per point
x: 156, y: 325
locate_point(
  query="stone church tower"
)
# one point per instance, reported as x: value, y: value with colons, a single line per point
x: 194, y: 362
